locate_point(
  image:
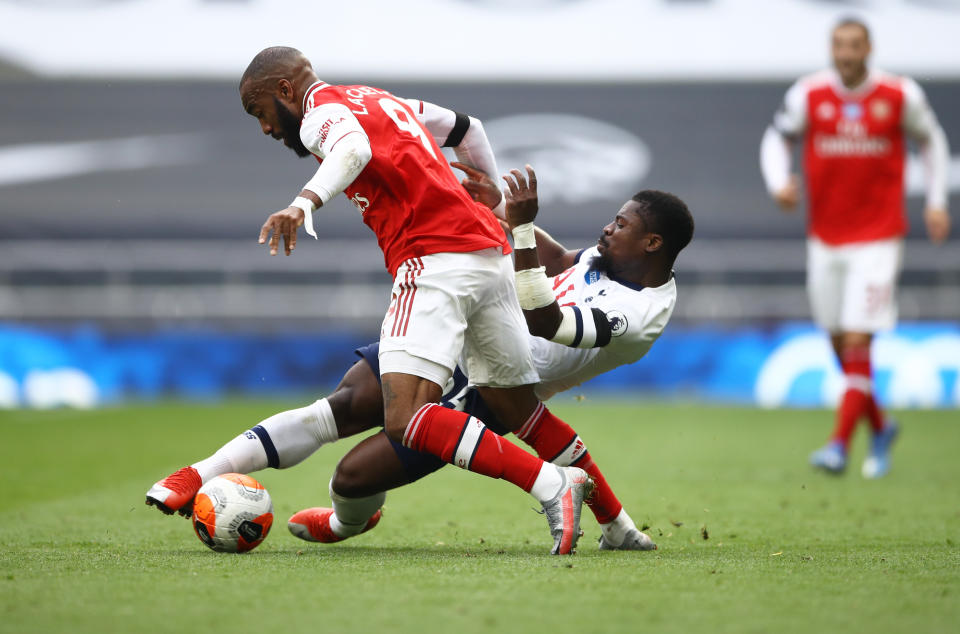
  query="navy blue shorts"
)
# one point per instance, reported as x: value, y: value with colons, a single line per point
x: 419, y: 464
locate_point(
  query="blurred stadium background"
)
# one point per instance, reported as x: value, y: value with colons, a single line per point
x: 133, y: 185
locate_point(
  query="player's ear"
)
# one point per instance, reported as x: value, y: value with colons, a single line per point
x: 654, y: 242
x: 284, y: 90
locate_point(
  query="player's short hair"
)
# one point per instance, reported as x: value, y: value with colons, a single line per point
x: 268, y: 61
x: 850, y: 20
x: 667, y: 215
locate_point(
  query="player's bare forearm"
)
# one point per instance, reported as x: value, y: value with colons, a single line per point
x: 544, y: 322
x: 555, y: 257
x: 540, y: 310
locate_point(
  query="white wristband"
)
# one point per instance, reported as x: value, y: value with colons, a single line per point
x: 307, y: 206
x: 303, y: 203
x: 524, y: 236
x: 533, y: 288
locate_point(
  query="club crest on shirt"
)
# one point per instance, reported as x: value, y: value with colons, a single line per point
x: 617, y: 321
x: 880, y: 109
x: 852, y: 110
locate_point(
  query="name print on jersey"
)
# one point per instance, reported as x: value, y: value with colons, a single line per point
x: 356, y: 95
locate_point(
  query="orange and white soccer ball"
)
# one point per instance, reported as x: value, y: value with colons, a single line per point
x: 232, y: 513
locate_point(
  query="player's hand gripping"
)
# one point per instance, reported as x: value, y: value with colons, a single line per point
x: 521, y: 197
x: 481, y: 187
x: 282, y: 223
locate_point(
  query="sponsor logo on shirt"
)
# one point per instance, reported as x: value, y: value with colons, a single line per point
x: 840, y: 145
x: 360, y: 202
x: 325, y: 128
x: 618, y: 322
x: 591, y: 276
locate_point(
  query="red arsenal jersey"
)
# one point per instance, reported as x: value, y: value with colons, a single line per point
x: 407, y: 193
x: 854, y: 157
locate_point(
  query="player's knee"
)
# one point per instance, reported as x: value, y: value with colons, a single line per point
x: 348, y: 479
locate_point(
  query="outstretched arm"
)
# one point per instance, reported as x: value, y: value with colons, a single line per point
x: 335, y: 135
x: 567, y: 325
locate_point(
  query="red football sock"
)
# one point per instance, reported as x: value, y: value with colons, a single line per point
x: 874, y: 414
x: 464, y: 441
x: 557, y: 442
x: 856, y: 399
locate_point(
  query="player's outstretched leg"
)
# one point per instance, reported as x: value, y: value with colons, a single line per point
x: 557, y: 442
x: 462, y: 440
x: 281, y: 441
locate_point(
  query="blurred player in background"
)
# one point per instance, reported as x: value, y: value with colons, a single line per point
x: 453, y: 288
x: 627, y: 277
x: 853, y: 122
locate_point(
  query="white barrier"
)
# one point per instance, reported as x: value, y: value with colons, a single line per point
x: 472, y: 39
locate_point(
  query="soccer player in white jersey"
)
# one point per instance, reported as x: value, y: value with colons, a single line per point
x: 853, y: 122
x: 618, y: 295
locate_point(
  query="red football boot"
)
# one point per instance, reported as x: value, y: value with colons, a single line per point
x: 175, y: 493
x: 313, y: 525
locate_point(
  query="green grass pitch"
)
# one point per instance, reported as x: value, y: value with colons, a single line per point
x: 751, y: 540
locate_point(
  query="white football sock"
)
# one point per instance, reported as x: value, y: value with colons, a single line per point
x: 616, y: 531
x: 281, y: 441
x: 243, y: 454
x: 350, y: 515
x: 548, y: 483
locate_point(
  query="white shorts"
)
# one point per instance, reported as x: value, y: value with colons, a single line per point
x: 852, y: 287
x: 446, y: 304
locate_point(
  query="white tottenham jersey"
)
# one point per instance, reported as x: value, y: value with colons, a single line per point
x: 636, y: 316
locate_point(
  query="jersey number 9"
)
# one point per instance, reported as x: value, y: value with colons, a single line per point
x: 399, y: 115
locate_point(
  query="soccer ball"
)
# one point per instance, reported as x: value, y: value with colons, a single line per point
x: 232, y: 513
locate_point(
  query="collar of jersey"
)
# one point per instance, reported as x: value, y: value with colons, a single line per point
x: 859, y: 90
x: 613, y: 278
x: 627, y: 283
x: 319, y: 82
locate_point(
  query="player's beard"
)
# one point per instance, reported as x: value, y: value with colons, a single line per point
x: 290, y: 130
x: 602, y: 263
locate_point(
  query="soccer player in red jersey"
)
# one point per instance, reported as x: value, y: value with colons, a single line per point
x: 623, y: 290
x: 853, y: 122
x: 453, y: 290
